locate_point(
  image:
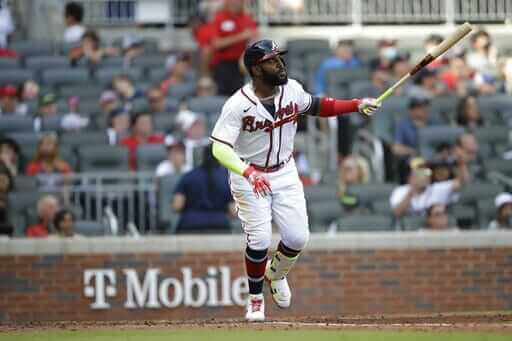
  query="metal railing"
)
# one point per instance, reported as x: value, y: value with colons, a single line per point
x: 130, y: 197
x: 355, y: 12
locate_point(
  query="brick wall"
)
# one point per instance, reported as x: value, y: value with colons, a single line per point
x: 325, y: 282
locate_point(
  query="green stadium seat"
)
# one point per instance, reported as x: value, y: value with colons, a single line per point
x: 475, y: 191
x: 9, y: 63
x: 51, y: 124
x: 486, y: 212
x: 89, y: 228
x: 492, y: 136
x: 167, y: 217
x: 15, y: 123
x: 465, y: 215
x: 157, y: 74
x: 18, y: 204
x: 149, y: 156
x: 104, y: 75
x: 16, y: 76
x: 65, y: 76
x: 24, y: 183
x: 163, y: 122
x: 368, y: 193
x: 206, y: 105
x: 444, y: 107
x: 321, y: 193
x: 432, y: 136
x: 413, y: 222
x: 84, y: 138
x: 28, y: 48
x: 365, y: 223
x: 103, y: 158
x: 498, y: 165
x: 38, y: 63
x: 91, y: 91
x: 381, y: 206
x: 323, y: 213
x: 148, y: 62
x: 180, y: 92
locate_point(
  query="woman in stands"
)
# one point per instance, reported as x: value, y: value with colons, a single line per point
x: 353, y: 170
x: 468, y: 113
x: 47, y: 164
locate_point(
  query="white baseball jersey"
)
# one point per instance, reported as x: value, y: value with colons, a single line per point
x: 255, y: 135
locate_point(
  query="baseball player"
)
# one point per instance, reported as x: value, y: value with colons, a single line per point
x: 254, y: 138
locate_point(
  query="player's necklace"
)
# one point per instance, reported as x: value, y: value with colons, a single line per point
x: 267, y: 99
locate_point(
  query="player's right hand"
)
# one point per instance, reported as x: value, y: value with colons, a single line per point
x: 260, y: 185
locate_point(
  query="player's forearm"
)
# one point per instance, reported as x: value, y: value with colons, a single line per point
x: 228, y: 158
x: 333, y: 107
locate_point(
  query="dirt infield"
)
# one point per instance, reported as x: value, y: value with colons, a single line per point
x: 491, y: 322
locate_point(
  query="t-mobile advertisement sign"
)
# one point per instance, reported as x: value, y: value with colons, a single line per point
x: 153, y: 289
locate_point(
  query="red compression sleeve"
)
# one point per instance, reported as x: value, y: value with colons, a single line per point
x: 333, y: 107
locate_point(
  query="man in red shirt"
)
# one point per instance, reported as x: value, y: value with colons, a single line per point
x: 232, y: 29
x: 141, y: 133
x: 47, y: 207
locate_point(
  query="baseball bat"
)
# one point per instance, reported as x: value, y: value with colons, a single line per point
x: 445, y: 45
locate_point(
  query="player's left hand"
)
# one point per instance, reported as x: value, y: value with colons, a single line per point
x: 367, y: 106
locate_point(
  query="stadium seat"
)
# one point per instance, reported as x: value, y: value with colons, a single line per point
x: 396, y: 106
x: 465, y: 215
x: 39, y: 63
x: 104, y: 75
x: 206, y: 105
x: 89, y: 228
x: 368, y: 193
x: 180, y: 92
x: 157, y: 74
x: 89, y: 106
x: 149, y: 61
x: 90, y: 91
x: 9, y: 63
x: 64, y: 76
x: 18, y: 204
x: 149, y: 156
x: 25, y: 137
x: 15, y: 76
x: 14, y: 123
x: 475, y: 191
x: 321, y: 193
x: 498, y: 165
x: 163, y: 123
x: 344, y: 77
x: 51, y: 123
x: 323, y: 213
x: 84, y: 138
x: 112, y: 61
x: 167, y: 217
x: 443, y: 108
x: 365, y: 223
x: 492, y: 136
x: 486, y: 212
x: 432, y: 136
x: 64, y: 48
x: 24, y: 183
x: 383, y: 126
x: 103, y: 158
x: 363, y: 88
x: 299, y: 49
x: 412, y: 222
x: 381, y: 206
x: 28, y: 48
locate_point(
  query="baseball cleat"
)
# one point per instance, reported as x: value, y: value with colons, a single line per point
x: 279, y: 288
x: 255, y: 308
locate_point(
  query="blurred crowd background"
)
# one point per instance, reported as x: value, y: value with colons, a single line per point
x: 110, y: 136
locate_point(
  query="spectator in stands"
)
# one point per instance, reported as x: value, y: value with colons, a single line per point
x: 48, y: 105
x: 203, y: 32
x: 29, y: 92
x: 406, y: 134
x: 47, y: 207
x: 47, y: 164
x: 141, y: 133
x: 64, y: 223
x: 400, y: 66
x: 9, y: 100
x: 175, y: 162
x: 6, y: 24
x: 466, y: 148
x: 109, y: 101
x: 437, y: 218
x: 133, y: 46
x: 430, y: 43
x: 73, y: 16
x: 203, y: 198
x: 193, y: 128
x: 178, y: 67
x: 387, y: 52
x: 126, y: 90
x: 233, y: 28
x: 503, y: 203
x: 6, y: 186
x: 419, y: 193
x: 90, y: 50
x: 483, y: 54
x: 157, y: 101
x: 379, y: 80
x: 442, y: 166
x: 118, y: 125
x: 458, y: 77
x: 468, y: 113
x: 343, y: 59
x: 72, y: 120
x: 426, y: 84
x: 354, y: 170
x: 9, y: 155
x: 206, y: 87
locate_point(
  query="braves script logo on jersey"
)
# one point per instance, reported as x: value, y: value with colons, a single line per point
x: 286, y: 114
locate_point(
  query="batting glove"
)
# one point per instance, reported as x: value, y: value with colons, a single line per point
x: 367, y: 106
x: 260, y: 185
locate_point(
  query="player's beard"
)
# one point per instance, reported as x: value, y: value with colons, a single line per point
x: 274, y: 79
